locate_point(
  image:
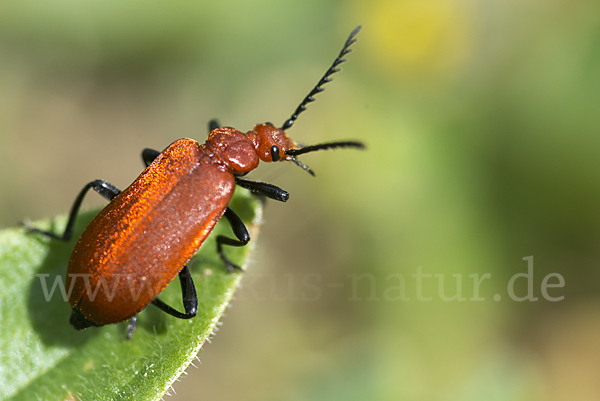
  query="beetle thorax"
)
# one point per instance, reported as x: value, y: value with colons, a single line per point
x: 233, y: 149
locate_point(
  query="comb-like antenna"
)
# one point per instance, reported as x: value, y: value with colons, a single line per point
x: 323, y: 146
x: 333, y: 69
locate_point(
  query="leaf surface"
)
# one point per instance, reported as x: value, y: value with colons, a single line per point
x: 43, y: 358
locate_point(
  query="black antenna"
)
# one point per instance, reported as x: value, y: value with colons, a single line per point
x: 310, y: 97
x: 323, y: 146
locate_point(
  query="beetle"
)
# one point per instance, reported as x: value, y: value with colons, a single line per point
x: 147, y: 233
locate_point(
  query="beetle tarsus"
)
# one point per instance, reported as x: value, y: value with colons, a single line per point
x: 188, y: 292
x: 240, y: 231
x: 131, y: 327
x: 188, y: 296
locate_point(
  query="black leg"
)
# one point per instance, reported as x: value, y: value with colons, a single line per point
x: 189, y: 297
x: 240, y: 231
x: 105, y: 189
x: 148, y: 156
x: 264, y: 189
x: 213, y: 124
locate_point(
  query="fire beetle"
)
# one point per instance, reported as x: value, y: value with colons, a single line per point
x: 149, y: 231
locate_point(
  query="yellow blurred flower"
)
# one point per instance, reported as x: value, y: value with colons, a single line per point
x: 418, y: 38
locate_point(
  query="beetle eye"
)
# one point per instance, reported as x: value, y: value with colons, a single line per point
x: 268, y: 123
x: 275, y: 153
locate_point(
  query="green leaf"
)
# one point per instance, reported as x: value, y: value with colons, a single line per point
x: 43, y: 358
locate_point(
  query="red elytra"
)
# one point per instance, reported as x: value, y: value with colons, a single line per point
x: 146, y: 235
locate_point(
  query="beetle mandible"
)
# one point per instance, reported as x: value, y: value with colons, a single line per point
x: 149, y: 232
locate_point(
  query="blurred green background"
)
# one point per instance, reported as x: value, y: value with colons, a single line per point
x: 481, y: 120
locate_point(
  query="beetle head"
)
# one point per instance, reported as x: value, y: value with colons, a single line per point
x: 271, y: 143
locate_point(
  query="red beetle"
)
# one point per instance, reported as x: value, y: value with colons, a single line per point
x: 148, y: 233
